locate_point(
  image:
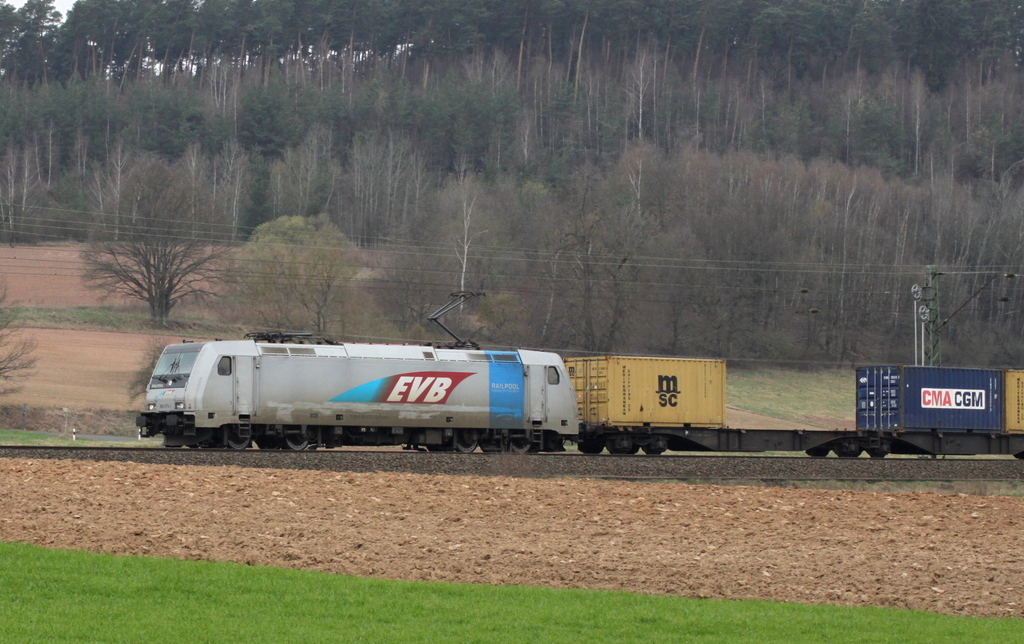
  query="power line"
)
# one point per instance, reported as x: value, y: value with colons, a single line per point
x: 555, y: 258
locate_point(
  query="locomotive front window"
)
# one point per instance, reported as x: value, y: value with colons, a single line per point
x: 173, y: 369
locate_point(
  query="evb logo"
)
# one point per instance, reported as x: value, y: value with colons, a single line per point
x: 421, y: 388
x: 418, y: 387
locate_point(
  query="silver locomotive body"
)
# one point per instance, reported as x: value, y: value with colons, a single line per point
x: 233, y: 393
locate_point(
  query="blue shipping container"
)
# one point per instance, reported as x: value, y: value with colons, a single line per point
x: 930, y: 398
x: 878, y: 392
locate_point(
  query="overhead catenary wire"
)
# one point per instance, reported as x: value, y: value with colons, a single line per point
x: 392, y: 245
x: 399, y: 247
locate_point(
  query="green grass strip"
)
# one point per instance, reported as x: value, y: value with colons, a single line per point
x: 19, y: 437
x: 69, y: 596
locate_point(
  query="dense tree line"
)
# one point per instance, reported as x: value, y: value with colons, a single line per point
x: 743, y: 178
x: 132, y: 38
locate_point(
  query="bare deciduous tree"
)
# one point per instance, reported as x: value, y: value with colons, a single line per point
x: 16, y: 359
x: 166, y: 248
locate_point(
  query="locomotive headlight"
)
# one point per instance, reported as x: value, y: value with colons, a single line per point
x: 150, y: 406
x: 179, y: 405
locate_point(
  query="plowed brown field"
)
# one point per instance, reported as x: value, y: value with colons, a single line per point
x: 48, y: 276
x: 83, y: 369
x: 78, y: 369
x: 950, y: 554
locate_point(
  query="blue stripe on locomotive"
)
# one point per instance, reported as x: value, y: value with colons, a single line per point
x: 507, y: 390
x: 367, y: 392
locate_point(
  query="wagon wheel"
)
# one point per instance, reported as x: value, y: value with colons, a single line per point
x: 591, y: 447
x: 466, y: 441
x: 296, y: 442
x: 848, y: 451
x: 518, y: 444
x: 876, y: 453
x: 234, y: 441
x: 654, y: 450
x: 623, y: 446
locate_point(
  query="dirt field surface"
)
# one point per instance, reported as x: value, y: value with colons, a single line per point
x: 48, y: 276
x: 82, y: 369
x: 949, y: 554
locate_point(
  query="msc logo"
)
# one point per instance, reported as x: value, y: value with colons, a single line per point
x: 953, y: 398
x: 668, y: 391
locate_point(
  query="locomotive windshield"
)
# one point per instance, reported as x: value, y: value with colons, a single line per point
x: 174, y: 366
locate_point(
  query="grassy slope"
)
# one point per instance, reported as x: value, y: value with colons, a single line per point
x: 793, y: 395
x: 108, y: 319
x: 66, y: 596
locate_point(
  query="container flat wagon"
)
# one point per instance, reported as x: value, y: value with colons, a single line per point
x: 629, y: 404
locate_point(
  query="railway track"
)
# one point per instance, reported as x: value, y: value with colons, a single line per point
x: 681, y: 467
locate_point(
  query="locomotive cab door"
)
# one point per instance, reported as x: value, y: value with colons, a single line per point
x: 536, y: 379
x: 244, y: 385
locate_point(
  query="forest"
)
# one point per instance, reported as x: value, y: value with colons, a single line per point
x: 756, y: 180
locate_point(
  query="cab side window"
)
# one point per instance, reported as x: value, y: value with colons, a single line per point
x: 553, y: 377
x: 224, y: 366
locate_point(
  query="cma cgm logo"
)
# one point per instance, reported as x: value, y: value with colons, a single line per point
x: 953, y: 398
x: 422, y: 387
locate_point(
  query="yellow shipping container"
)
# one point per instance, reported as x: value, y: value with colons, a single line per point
x: 1013, y: 401
x: 656, y: 392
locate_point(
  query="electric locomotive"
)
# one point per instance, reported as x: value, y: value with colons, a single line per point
x: 297, y: 394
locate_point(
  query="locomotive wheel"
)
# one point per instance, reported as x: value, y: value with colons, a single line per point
x: 490, y: 446
x: 268, y: 442
x: 466, y: 441
x: 296, y: 442
x: 234, y: 441
x: 518, y: 444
